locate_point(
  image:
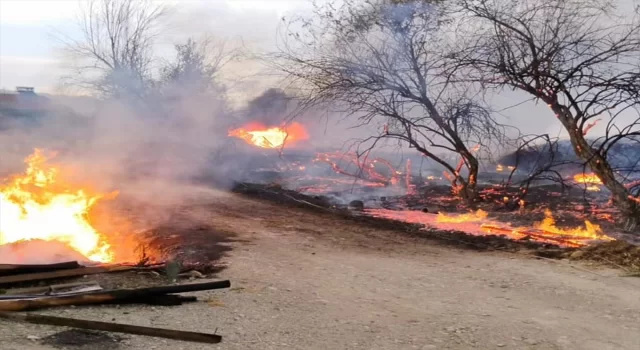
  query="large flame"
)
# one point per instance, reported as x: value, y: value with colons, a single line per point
x: 270, y: 137
x: 587, y: 179
x: 40, y: 205
x: 590, y: 180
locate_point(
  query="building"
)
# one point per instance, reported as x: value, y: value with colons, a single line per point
x: 21, y: 106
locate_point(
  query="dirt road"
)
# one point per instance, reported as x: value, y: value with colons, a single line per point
x: 306, y: 281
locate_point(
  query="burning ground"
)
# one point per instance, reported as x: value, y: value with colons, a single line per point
x: 309, y: 279
x: 573, y: 214
x: 51, y: 201
x: 379, y: 272
x: 304, y: 222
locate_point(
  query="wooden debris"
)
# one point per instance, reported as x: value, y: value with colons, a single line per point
x: 113, y: 327
x: 48, y: 290
x: 42, y: 276
x: 162, y: 300
x: 108, y: 296
x: 10, y: 269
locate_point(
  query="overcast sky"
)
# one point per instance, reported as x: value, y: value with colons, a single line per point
x: 29, y: 51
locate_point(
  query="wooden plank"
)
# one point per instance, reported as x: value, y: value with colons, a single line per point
x: 104, y: 297
x: 114, y: 327
x: 45, y: 289
x: 42, y: 276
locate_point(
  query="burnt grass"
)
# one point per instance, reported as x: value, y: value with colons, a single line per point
x: 321, y: 205
x: 618, y: 253
x: 172, y: 233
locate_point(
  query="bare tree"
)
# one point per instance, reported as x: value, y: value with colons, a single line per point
x: 538, y: 158
x: 113, y: 54
x: 577, y: 56
x: 380, y: 62
x: 197, y: 64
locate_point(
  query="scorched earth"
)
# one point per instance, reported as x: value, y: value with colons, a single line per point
x: 303, y: 280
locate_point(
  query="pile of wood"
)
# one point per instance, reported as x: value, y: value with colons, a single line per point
x: 13, y: 300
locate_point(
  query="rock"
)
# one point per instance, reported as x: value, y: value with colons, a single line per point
x: 531, y: 341
x: 576, y: 255
x: 500, y: 345
x: 432, y: 210
x: 33, y: 337
x: 356, y: 205
x: 192, y: 274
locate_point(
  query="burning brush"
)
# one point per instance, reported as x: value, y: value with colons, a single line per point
x: 40, y: 205
x: 477, y: 223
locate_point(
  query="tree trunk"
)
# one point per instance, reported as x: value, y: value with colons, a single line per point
x: 601, y: 167
x: 469, y: 193
x: 469, y: 187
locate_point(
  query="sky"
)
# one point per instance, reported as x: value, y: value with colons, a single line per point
x: 29, y: 30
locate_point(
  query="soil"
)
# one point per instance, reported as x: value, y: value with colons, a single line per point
x: 308, y: 280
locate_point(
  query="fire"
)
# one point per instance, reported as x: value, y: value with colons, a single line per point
x: 270, y: 137
x: 38, y: 205
x: 587, y: 179
x: 589, y: 232
x: 500, y: 168
x: 479, y: 215
x: 591, y: 180
x: 478, y: 223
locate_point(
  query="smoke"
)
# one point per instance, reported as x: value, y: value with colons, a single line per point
x: 150, y: 151
x: 624, y: 157
x: 270, y: 108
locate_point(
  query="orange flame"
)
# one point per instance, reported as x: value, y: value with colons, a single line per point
x: 587, y: 179
x: 38, y: 205
x: 547, y: 231
x: 478, y: 224
x: 270, y: 137
x: 590, y: 230
x: 591, y: 180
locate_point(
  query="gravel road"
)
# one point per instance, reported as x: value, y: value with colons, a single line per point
x: 307, y: 281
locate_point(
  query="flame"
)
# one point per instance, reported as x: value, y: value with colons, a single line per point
x: 591, y: 180
x: 500, y: 167
x: 590, y: 230
x: 587, y: 179
x: 38, y: 205
x: 479, y: 215
x: 270, y: 137
x: 477, y: 224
